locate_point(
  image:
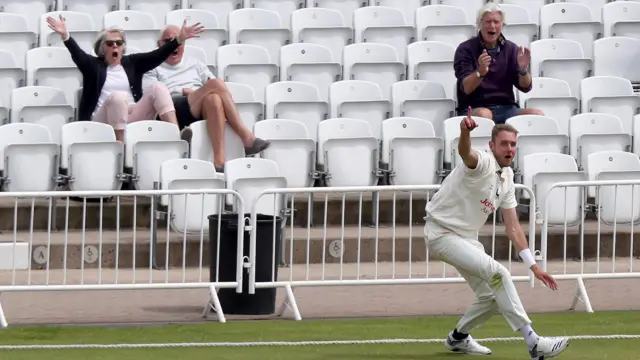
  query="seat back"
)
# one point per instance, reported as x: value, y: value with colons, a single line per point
x: 16, y: 36
x: 433, y: 61
x: 141, y: 28
x: 384, y: 25
x: 250, y: 177
x: 42, y: 105
x: 79, y: 25
x: 615, y: 56
x: 378, y: 63
x: 480, y: 137
x: 156, y: 8
x: 311, y: 63
x: 444, y: 23
x: 53, y: 66
x: 621, y: 18
x: 594, y: 132
x: 361, y: 100
x: 424, y: 100
x: 610, y: 95
x: 213, y: 35
x: 247, y: 64
x: 562, y: 59
x: 259, y: 27
x: 570, y: 20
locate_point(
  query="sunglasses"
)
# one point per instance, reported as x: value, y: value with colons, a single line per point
x: 114, y: 42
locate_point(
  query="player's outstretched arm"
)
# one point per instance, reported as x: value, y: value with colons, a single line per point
x: 469, y: 157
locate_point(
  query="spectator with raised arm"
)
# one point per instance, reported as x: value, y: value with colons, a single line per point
x: 197, y: 95
x: 488, y: 66
x: 112, y: 81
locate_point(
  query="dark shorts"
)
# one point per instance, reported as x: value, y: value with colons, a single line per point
x: 183, y: 111
x: 500, y: 112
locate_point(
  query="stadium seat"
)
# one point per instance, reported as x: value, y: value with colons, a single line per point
x: 53, y: 66
x: 259, y: 27
x: 324, y: 27
x: 221, y: 8
x: 250, y: 107
x: 80, y: 27
x: 636, y: 135
x: 359, y: 100
x: 552, y: 97
x: 433, y: 61
x: 157, y: 8
x: 42, y: 105
x: 28, y: 158
x: 571, y: 21
x: 480, y: 138
x: 424, y: 100
x: 90, y: 156
x: 621, y: 18
x: 617, y: 56
x: 594, y: 132
x: 16, y: 36
x: 565, y: 205
x: 444, y: 23
x: 210, y: 39
x: 348, y: 152
x: 201, y: 148
x: 378, y: 63
x: 250, y: 177
x: 299, y: 101
x: 610, y: 95
x: 411, y: 151
x: 292, y: 149
x: 147, y: 144
x: 141, y: 28
x: 519, y: 27
x: 384, y: 25
x: 616, y: 204
x: 470, y: 7
x: 311, y: 63
x: 408, y: 7
x: 96, y: 9
x: 284, y: 8
x: 12, y: 76
x: 532, y: 6
x: 31, y: 10
x: 247, y: 64
x: 594, y: 5
x: 191, y: 51
x: 189, y: 213
x: 345, y: 7
x: 561, y: 59
x: 537, y: 134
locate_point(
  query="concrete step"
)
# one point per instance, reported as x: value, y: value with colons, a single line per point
x: 127, y: 249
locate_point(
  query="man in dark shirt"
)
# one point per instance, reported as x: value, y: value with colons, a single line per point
x: 488, y: 66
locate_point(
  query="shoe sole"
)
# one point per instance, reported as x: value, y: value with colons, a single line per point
x: 544, y: 357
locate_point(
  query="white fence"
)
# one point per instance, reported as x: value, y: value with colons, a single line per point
x: 27, y: 253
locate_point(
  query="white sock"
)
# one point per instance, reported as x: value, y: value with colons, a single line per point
x: 529, y: 335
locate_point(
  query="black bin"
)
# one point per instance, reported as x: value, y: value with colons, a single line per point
x: 263, y: 302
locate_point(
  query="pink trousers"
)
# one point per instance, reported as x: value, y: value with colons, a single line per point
x: 116, y: 112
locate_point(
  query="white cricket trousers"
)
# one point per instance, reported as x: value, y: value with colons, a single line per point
x: 489, y: 279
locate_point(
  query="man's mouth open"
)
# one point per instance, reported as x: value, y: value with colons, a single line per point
x: 492, y: 33
x: 114, y: 54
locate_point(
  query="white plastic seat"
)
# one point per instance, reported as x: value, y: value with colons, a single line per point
x: 617, y: 56
x: 292, y: 149
x: 594, y: 5
x: 212, y: 36
x: 610, y: 95
x: 540, y: 172
x: 470, y: 7
x: 480, y: 137
x: 12, y: 77
x: 616, y: 204
x: 621, y: 18
x: 252, y: 176
x: 433, y: 61
x: 96, y: 9
x: 378, y: 63
x: 299, y: 101
x: 424, y: 100
x: 408, y: 7
x: 28, y: 158
x: 359, y: 100
x: 311, y: 63
x: 141, y: 28
x: 412, y: 151
x: 561, y: 59
x: 322, y: 26
x: 519, y: 27
x: 91, y: 156
x: 636, y: 135
x: 553, y: 97
x: 52, y: 66
x: 80, y: 27
x: 345, y: 7
x: 571, y: 21
x: 532, y: 6
x: 348, y: 151
x: 247, y: 64
x: 284, y: 8
x: 259, y: 27
x: 31, y: 10
x: 221, y: 8
x: 384, y: 25
x: 16, y: 36
x: 157, y: 8
x: 147, y: 145
x: 537, y: 134
x: 189, y: 213
x: 444, y: 23
x: 42, y: 105
x: 594, y: 132
x: 196, y: 52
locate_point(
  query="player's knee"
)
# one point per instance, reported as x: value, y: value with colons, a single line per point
x: 499, y: 276
x: 483, y: 112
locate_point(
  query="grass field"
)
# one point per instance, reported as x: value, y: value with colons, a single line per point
x: 603, y: 323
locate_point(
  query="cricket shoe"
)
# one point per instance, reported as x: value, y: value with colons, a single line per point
x: 466, y: 346
x: 548, y: 347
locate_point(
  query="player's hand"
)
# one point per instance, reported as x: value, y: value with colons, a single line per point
x: 468, y: 124
x: 547, y: 279
x: 483, y: 63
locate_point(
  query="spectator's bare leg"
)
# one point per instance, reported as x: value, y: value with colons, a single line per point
x: 213, y: 113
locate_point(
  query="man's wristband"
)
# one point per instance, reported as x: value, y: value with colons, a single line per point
x: 527, y: 257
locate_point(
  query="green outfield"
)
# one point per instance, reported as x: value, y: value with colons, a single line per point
x: 603, y: 323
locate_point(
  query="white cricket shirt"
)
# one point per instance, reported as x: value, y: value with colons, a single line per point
x: 468, y: 196
x: 189, y: 73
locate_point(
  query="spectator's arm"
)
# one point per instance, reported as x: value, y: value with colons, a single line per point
x: 465, y: 70
x: 82, y: 60
x: 147, y: 61
x: 522, y: 82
